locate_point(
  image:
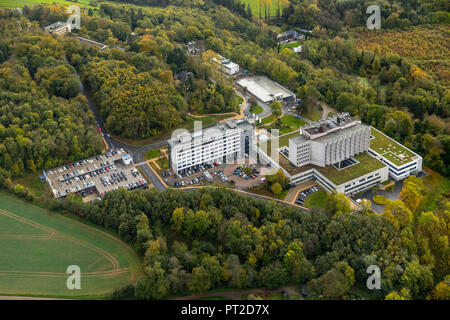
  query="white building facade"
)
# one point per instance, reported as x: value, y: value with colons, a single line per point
x: 224, y: 142
x: 399, y: 172
x: 226, y: 65
x: 328, y: 142
x: 325, y: 148
x: 59, y: 28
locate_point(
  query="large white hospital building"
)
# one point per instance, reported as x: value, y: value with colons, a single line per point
x: 341, y: 154
x: 226, y: 141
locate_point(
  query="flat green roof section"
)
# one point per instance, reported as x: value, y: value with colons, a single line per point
x: 390, y: 149
x: 366, y: 165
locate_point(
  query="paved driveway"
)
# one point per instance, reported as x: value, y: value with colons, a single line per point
x: 394, y: 195
x: 267, y: 110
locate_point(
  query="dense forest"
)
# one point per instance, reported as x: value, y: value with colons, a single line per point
x: 44, y: 122
x: 338, y: 14
x: 146, y: 71
x: 214, y: 238
x: 331, y: 14
x: 399, y: 97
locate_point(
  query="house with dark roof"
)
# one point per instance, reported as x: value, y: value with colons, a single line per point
x: 184, y: 75
x: 289, y: 36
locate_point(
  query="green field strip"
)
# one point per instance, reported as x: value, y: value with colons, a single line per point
x: 37, y: 246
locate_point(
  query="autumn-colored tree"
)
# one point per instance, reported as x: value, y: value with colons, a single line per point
x: 277, y: 188
x: 177, y: 219
x: 412, y: 192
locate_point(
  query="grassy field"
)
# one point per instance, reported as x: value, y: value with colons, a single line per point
x: 254, y: 5
x: 366, y: 165
x: 268, y: 119
x: 283, y: 141
x: 313, y: 113
x: 37, y: 246
x: 289, y: 45
x: 153, y: 154
x: 30, y: 3
x: 317, y: 199
x: 292, y: 121
x: 256, y: 109
x: 34, y: 184
x: 439, y: 186
x: 163, y: 163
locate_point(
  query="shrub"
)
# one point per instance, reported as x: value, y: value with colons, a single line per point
x: 380, y: 199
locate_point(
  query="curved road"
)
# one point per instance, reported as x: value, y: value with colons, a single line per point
x: 266, y: 109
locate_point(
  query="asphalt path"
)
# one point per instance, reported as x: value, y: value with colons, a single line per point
x: 267, y: 110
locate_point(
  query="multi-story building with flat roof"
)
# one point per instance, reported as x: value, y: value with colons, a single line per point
x: 58, y: 28
x: 341, y: 154
x: 401, y: 161
x: 329, y: 141
x: 226, y: 65
x: 224, y: 142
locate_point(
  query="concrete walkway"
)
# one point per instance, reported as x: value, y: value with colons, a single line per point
x: 293, y: 193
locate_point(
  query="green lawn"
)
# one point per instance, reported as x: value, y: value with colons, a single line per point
x: 286, y: 130
x: 313, y: 113
x: 284, y: 140
x: 366, y: 165
x: 30, y: 3
x: 293, y: 121
x: 254, y: 5
x: 438, y: 185
x: 37, y: 246
x: 289, y: 45
x: 256, y: 109
x: 163, y: 163
x: 205, y: 121
x: 317, y: 199
x: 32, y: 182
x: 268, y: 119
x: 153, y: 154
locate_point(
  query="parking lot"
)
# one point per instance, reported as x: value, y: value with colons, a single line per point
x: 245, y: 175
x: 305, y: 193
x: 99, y: 174
x: 216, y: 173
x: 200, y: 174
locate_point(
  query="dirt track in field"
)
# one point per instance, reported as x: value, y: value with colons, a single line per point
x: 55, y: 234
